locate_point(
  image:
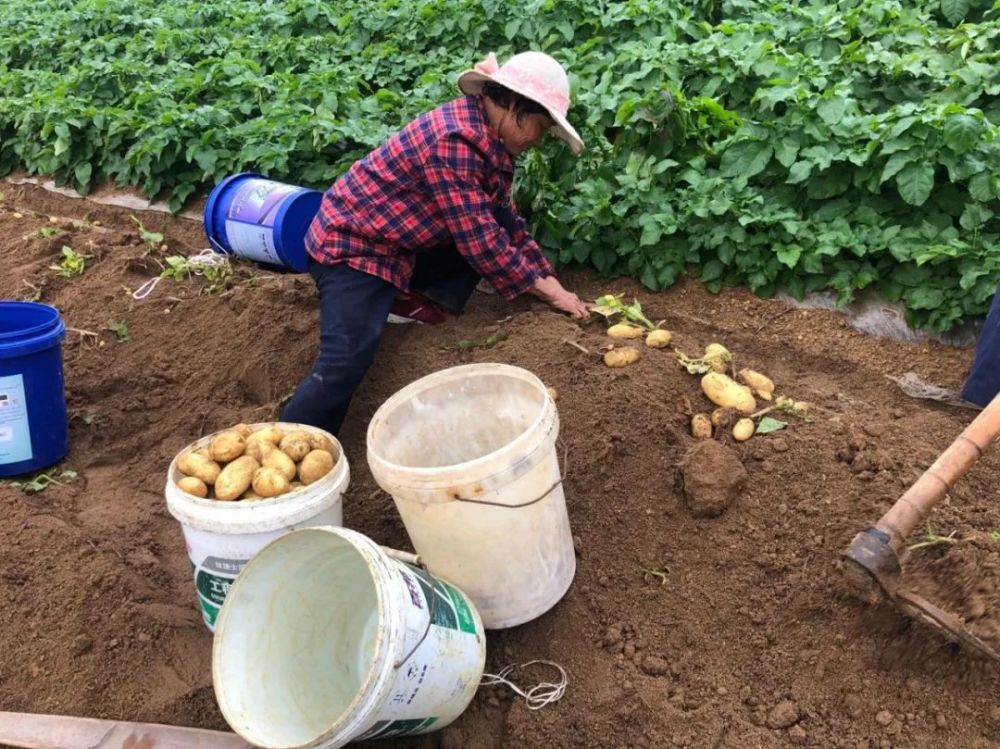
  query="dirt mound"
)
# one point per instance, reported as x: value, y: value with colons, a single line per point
x: 678, y: 631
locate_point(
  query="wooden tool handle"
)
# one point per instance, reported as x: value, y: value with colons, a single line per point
x: 916, y: 504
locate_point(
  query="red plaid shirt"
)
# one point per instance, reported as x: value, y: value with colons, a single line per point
x: 431, y: 184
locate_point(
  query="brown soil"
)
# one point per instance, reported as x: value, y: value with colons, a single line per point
x: 744, y: 638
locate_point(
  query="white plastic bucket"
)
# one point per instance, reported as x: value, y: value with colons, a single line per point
x: 325, y: 638
x: 468, y: 454
x: 222, y: 536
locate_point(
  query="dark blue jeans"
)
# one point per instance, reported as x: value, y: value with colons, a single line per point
x: 984, y: 379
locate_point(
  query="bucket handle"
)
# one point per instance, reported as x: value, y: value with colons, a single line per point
x: 536, y: 500
x: 414, y: 559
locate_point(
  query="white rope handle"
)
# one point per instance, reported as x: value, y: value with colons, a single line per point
x: 540, y: 695
x: 207, y: 258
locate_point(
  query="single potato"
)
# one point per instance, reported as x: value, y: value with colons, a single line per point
x: 621, y: 357
x: 243, y: 430
x: 722, y: 417
x: 701, y: 426
x: 659, y: 338
x: 296, y: 445
x: 193, y: 485
x: 281, y: 462
x: 227, y: 446
x: 273, y: 435
x: 269, y: 482
x: 718, y: 356
x: 197, y: 465
x: 235, y: 478
x: 743, y: 430
x: 258, y: 449
x: 725, y: 392
x: 623, y: 331
x: 315, y: 466
x: 758, y: 382
x: 322, y: 442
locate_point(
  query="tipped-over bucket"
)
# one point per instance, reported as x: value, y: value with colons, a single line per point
x: 326, y: 638
x: 469, y: 456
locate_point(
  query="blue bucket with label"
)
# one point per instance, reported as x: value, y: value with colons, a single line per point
x: 261, y: 220
x: 33, y: 428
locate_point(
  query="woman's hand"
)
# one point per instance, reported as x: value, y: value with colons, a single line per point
x: 556, y: 296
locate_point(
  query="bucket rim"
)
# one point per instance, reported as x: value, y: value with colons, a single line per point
x: 50, y: 324
x: 378, y: 678
x: 428, y: 476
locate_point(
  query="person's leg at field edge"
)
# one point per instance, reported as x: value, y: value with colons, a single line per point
x: 353, y: 310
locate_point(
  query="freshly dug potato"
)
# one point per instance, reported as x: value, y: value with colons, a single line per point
x: 203, y: 452
x: 315, y: 466
x: 743, y: 430
x: 243, y: 430
x: 322, y: 442
x: 281, y: 462
x: 623, y: 331
x: 296, y: 445
x: 193, y: 485
x: 258, y: 449
x: 250, y: 495
x: 701, y: 426
x: 235, y: 478
x: 197, y: 465
x: 718, y: 356
x: 659, y: 338
x: 227, y: 446
x: 553, y: 393
x: 269, y: 482
x: 725, y: 392
x: 271, y: 434
x: 758, y: 382
x: 802, y: 407
x: 621, y: 357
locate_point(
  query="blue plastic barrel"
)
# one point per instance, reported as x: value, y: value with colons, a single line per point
x: 33, y: 429
x: 261, y: 220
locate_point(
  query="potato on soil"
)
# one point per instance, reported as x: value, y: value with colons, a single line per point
x: 722, y: 417
x: 279, y: 461
x: 269, y: 482
x: 315, y: 466
x: 197, y: 465
x: 235, y: 478
x: 296, y: 445
x: 725, y: 392
x: 761, y: 383
x: 227, y: 446
x: 701, y: 426
x: 623, y: 331
x: 193, y: 485
x: 743, y: 430
x: 621, y: 357
x: 718, y: 356
x: 659, y: 338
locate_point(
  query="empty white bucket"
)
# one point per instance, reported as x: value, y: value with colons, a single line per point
x: 221, y: 536
x: 468, y: 454
x: 325, y: 638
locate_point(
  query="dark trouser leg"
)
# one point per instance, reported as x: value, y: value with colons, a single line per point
x: 445, y: 277
x: 984, y: 378
x: 353, y: 310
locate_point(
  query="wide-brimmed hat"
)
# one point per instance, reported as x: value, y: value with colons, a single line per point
x: 534, y: 75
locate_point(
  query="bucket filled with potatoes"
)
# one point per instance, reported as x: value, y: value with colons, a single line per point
x: 255, y: 462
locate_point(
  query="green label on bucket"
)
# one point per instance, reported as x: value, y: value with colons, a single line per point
x: 15, y: 438
x: 212, y: 587
x: 448, y: 606
x: 385, y: 729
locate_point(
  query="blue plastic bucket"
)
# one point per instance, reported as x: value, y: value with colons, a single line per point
x: 33, y: 430
x: 261, y: 220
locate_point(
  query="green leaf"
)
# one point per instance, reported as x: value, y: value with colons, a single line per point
x: 962, y: 132
x: 974, y: 216
x: 915, y: 183
x: 955, y: 10
x: 895, y: 164
x: 832, y: 110
x: 790, y: 255
x: 768, y: 425
x: 924, y: 297
x: 786, y: 151
x: 799, y: 172
x: 979, y: 187
x: 746, y: 159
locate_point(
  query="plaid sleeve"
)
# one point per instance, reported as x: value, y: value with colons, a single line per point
x: 451, y: 172
x: 530, y: 249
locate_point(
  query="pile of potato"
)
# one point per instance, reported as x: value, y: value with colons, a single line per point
x: 242, y: 464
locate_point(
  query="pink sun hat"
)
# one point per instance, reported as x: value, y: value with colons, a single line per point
x: 534, y: 75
